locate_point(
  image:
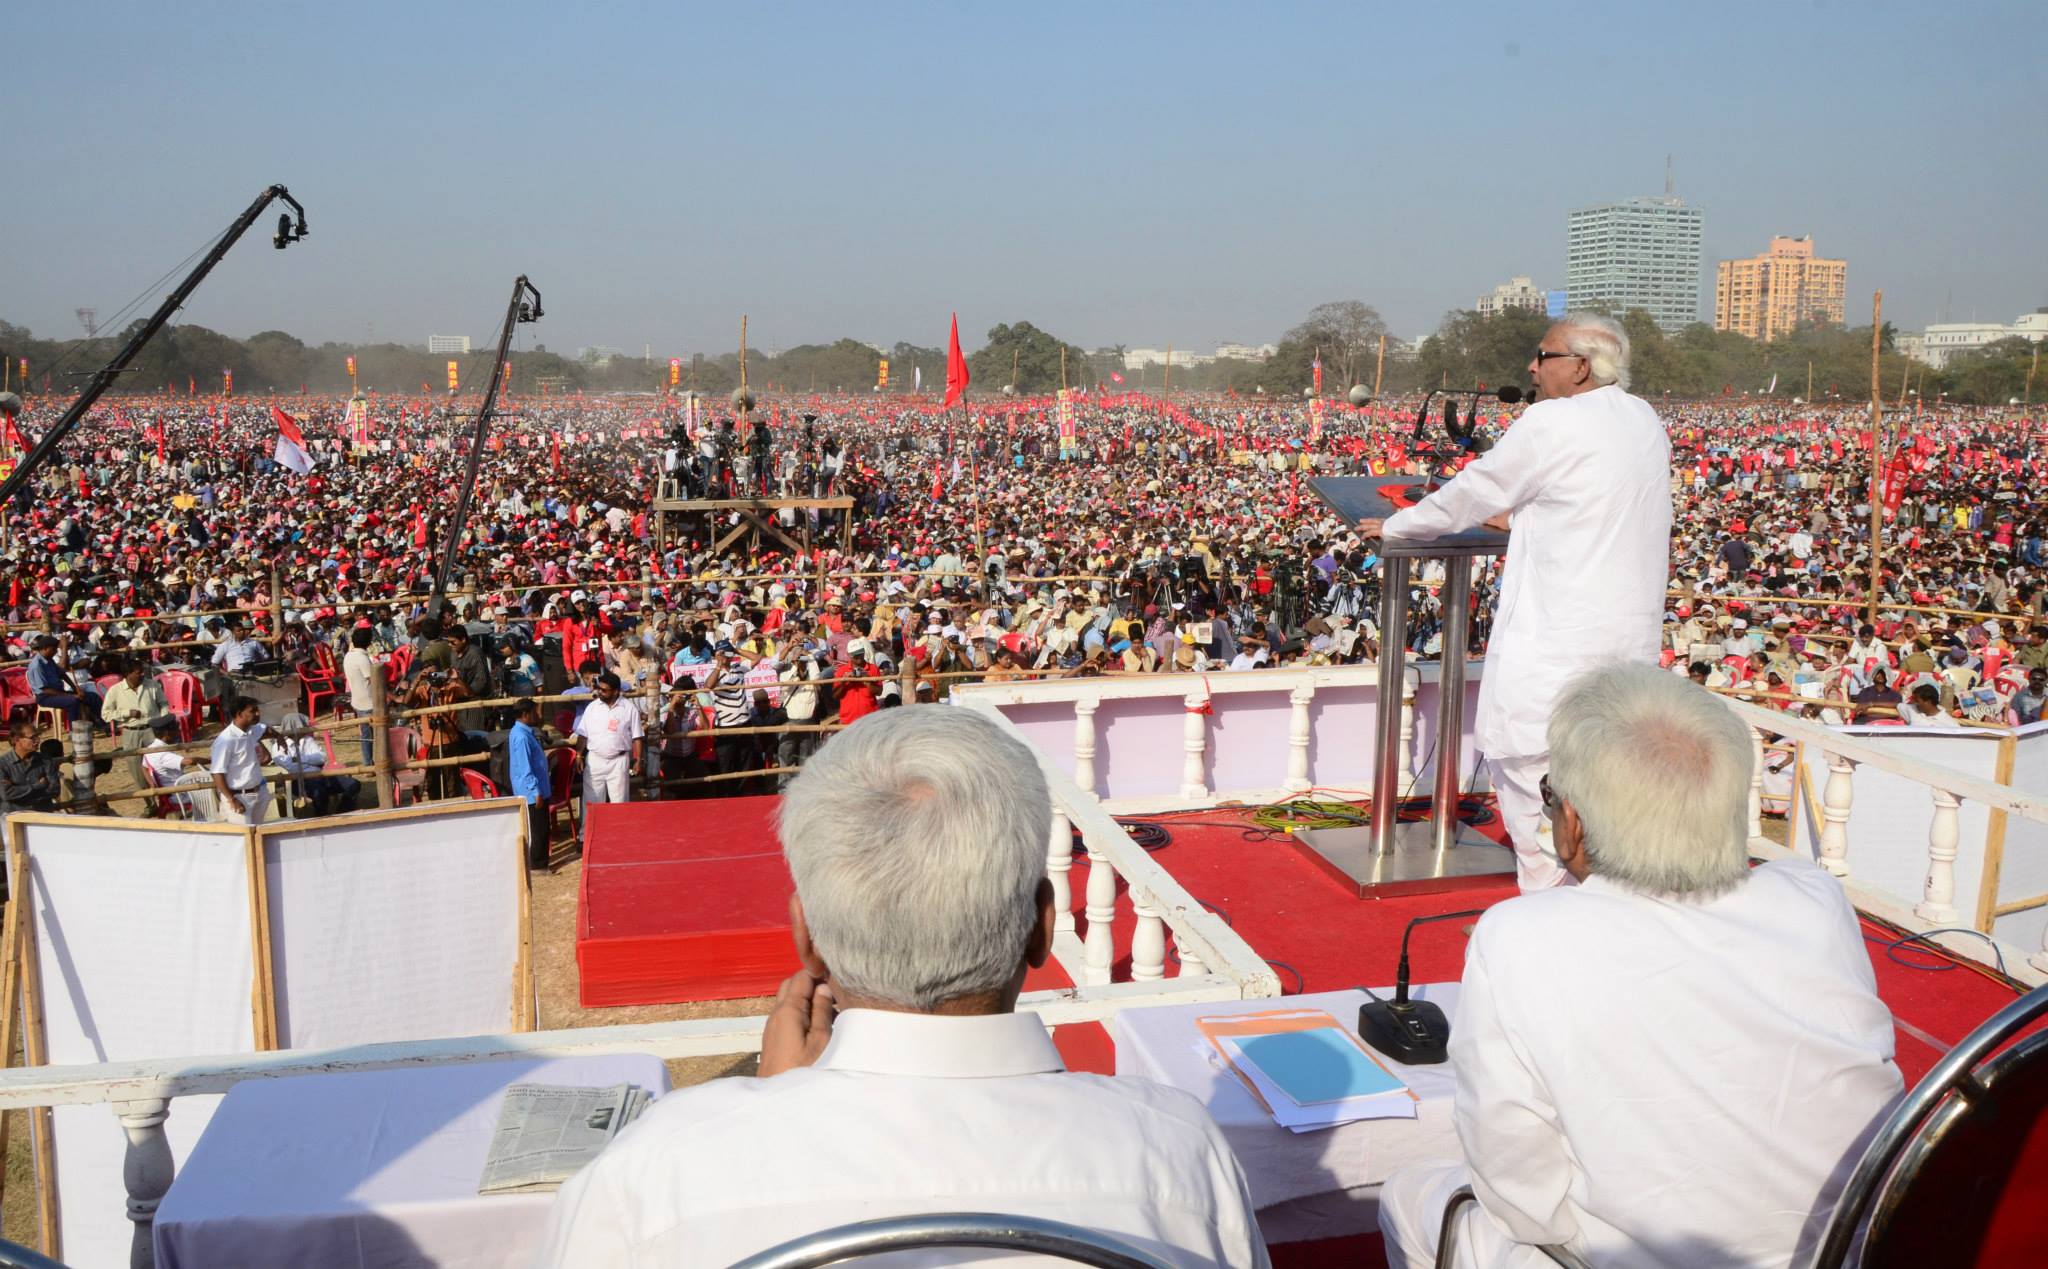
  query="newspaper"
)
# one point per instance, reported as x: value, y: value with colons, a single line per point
x: 547, y: 1132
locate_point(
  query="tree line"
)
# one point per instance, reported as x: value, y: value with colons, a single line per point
x: 1822, y: 361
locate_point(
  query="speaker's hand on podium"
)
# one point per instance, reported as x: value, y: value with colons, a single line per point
x: 1499, y: 522
x: 1370, y: 527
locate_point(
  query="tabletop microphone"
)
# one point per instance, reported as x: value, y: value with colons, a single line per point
x: 1413, y: 1032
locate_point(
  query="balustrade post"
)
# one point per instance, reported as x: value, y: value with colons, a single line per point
x: 1404, y: 760
x: 2038, y: 960
x: 1195, y: 733
x: 1098, y: 948
x: 1939, y: 905
x: 146, y: 1172
x: 1148, y: 940
x: 1084, y: 745
x: 1191, y: 965
x: 1835, y: 800
x: 1756, y: 784
x: 1298, y: 737
x: 1059, y: 862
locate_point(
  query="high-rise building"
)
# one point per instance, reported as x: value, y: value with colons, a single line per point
x: 1638, y: 253
x: 1514, y: 293
x: 1779, y: 291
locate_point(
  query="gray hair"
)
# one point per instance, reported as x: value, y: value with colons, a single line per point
x: 917, y: 838
x: 1659, y: 773
x: 1602, y: 342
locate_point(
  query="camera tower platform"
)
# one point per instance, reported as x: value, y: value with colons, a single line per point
x: 724, y: 521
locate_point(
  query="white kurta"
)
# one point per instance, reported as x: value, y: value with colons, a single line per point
x: 1656, y: 1082
x: 1588, y: 480
x: 906, y: 1114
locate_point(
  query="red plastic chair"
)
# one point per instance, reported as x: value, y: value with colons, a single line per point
x: 396, y: 665
x: 181, y: 697
x: 107, y: 681
x: 563, y: 766
x: 318, y: 687
x: 478, y: 784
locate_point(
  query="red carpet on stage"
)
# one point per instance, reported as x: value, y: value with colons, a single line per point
x: 682, y: 901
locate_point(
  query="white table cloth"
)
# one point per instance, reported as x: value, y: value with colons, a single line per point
x: 1283, y: 1166
x: 366, y: 1169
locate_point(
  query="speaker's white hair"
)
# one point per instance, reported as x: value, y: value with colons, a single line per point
x: 917, y: 841
x: 1658, y: 771
x: 1602, y: 342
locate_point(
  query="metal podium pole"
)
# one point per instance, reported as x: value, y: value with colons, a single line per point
x: 1387, y: 776
x: 1450, y: 706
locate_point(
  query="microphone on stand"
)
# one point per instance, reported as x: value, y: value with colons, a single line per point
x: 1414, y: 1032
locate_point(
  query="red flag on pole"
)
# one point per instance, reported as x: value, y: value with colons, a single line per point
x: 956, y: 367
x: 555, y: 451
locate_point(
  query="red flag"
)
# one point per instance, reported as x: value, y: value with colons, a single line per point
x: 1115, y: 377
x: 555, y: 451
x: 956, y: 367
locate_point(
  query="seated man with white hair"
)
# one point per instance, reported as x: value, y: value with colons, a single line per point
x: 1675, y: 1062
x: 897, y: 1076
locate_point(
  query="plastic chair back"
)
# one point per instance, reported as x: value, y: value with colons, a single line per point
x: 893, y: 1234
x: 478, y: 784
x: 1955, y: 1175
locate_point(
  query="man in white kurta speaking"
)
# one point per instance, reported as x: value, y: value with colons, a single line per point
x: 1584, y: 477
x: 1676, y: 1062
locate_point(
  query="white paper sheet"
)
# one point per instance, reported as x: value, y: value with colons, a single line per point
x: 404, y: 929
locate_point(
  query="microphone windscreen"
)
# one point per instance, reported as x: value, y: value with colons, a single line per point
x: 1451, y: 416
x: 1510, y: 394
x: 1358, y: 395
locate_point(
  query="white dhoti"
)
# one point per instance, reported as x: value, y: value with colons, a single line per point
x: 254, y: 806
x: 1412, y: 1206
x: 1517, y: 791
x: 607, y: 778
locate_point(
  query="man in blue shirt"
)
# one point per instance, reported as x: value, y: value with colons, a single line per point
x: 528, y: 764
x: 55, y: 687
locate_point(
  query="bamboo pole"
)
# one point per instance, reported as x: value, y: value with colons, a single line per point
x: 380, y: 742
x: 1994, y: 842
x: 1876, y: 455
x: 1378, y: 366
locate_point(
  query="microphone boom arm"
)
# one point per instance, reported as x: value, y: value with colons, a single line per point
x: 46, y: 446
x: 517, y: 311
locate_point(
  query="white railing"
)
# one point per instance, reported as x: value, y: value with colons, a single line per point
x: 1825, y: 822
x: 1326, y: 732
x: 1215, y: 964
x: 1136, y: 774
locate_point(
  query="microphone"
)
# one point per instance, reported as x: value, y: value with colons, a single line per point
x: 1422, y: 414
x: 1412, y: 1032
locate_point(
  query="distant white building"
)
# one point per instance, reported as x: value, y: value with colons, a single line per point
x: 1946, y: 340
x: 1139, y: 358
x: 447, y: 343
x: 1514, y: 293
x: 1244, y: 352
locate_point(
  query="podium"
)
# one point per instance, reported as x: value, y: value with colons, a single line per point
x: 1418, y: 857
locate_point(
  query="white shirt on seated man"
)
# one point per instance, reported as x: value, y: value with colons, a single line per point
x: 1677, y: 1062
x: 897, y: 1078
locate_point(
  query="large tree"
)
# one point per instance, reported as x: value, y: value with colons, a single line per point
x: 1036, y: 356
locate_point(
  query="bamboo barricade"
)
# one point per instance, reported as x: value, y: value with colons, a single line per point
x: 1843, y: 703
x: 1819, y: 601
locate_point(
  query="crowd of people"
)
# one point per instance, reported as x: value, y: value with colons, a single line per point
x: 990, y: 541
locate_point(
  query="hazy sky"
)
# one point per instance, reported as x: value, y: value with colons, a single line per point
x: 1116, y: 173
